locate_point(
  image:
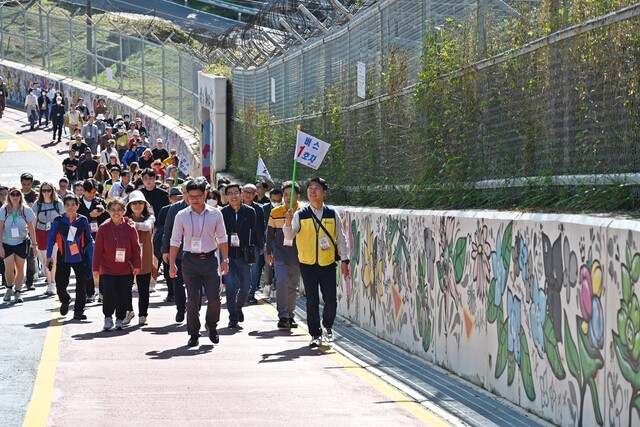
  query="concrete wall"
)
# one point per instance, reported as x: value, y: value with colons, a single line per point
x: 212, y: 91
x: 540, y: 309
x: 19, y: 79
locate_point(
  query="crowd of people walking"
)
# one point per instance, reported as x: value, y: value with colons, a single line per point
x: 123, y: 213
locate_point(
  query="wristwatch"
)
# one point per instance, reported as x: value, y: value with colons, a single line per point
x: 226, y: 260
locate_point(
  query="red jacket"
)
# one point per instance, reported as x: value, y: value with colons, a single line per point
x: 109, y: 237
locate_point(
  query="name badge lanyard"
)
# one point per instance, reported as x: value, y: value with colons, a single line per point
x: 15, y: 232
x: 235, y: 239
x: 196, y: 242
x: 120, y: 252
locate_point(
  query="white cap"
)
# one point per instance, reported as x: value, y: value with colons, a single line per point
x: 136, y: 132
x: 100, y: 117
x: 159, y: 140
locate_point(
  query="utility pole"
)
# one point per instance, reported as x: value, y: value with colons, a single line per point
x: 89, y: 42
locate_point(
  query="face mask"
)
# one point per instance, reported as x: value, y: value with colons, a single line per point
x: 212, y: 202
x: 276, y: 204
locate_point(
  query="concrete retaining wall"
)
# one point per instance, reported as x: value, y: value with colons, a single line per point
x: 540, y: 309
x: 19, y: 78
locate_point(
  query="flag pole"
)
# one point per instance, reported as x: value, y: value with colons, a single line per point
x: 295, y: 167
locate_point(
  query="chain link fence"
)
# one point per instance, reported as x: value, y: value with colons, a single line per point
x: 154, y: 73
x: 557, y: 95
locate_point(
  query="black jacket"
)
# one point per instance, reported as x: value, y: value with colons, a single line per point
x: 244, y: 226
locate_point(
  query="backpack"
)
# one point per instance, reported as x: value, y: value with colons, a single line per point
x: 38, y: 204
x: 6, y: 213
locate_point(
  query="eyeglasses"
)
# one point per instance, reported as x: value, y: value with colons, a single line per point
x: 46, y: 190
x: 116, y: 210
x: 198, y: 197
x: 249, y: 192
x: 232, y: 193
x: 14, y: 194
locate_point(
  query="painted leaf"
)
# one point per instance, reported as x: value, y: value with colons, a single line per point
x: 593, y: 388
x: 626, y: 368
x: 459, y: 258
x: 506, y: 246
x: 635, y: 268
x: 492, y: 310
x: 551, y: 348
x: 511, y: 371
x: 440, y: 275
x: 590, y: 357
x: 627, y: 254
x: 501, y: 356
x: 626, y: 284
x: 525, y: 366
x: 571, y: 352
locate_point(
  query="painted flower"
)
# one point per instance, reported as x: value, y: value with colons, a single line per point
x: 590, y: 305
x: 523, y: 259
x: 515, y: 321
x: 499, y: 271
x: 480, y: 253
x: 538, y: 314
x: 447, y: 235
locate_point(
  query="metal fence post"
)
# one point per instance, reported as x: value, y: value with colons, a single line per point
x: 164, y: 82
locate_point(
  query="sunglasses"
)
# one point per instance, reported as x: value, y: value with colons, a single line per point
x: 14, y: 194
x: 46, y: 190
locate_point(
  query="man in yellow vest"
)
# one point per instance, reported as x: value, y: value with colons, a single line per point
x: 321, y: 242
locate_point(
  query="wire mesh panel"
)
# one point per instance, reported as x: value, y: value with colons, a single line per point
x: 155, y: 74
x: 459, y: 92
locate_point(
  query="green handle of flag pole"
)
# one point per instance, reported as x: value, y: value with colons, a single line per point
x: 293, y: 180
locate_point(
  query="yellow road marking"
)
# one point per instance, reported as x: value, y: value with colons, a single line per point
x: 401, y: 399
x: 40, y: 404
x: 24, y: 144
x: 11, y: 145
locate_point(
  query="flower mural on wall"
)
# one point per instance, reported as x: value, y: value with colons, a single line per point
x: 627, y: 338
x: 372, y: 274
x: 480, y: 254
x: 513, y: 348
x: 585, y: 360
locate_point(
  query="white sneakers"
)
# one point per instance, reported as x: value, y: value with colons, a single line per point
x: 127, y: 319
x: 142, y: 320
x: 8, y: 294
x: 119, y: 324
x: 51, y: 289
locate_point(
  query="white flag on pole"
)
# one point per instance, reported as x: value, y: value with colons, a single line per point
x: 262, y: 170
x: 310, y: 151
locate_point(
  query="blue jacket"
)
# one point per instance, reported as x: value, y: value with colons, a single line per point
x: 129, y: 157
x: 60, y: 231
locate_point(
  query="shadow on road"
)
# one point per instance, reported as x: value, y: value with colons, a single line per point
x: 179, y: 352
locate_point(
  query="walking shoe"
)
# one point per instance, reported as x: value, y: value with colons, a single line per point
x: 100, y: 299
x: 152, y: 289
x: 142, y: 320
x: 127, y: 319
x: 328, y: 335
x: 64, y: 309
x: 284, y: 323
x: 252, y: 300
x: 193, y: 341
x: 89, y: 299
x: 8, y: 294
x: 52, y: 289
x: 240, y: 316
x: 29, y: 287
x: 79, y: 316
x: 233, y: 325
x: 108, y: 324
x: 119, y: 324
x: 315, y: 342
x: 180, y: 316
x: 168, y: 299
x: 293, y: 323
x: 213, y: 335
x: 18, y: 297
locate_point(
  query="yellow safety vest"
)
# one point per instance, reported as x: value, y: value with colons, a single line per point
x: 308, y: 238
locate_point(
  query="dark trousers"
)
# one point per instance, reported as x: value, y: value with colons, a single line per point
x: 4, y: 279
x: 142, y: 280
x: 168, y: 279
x: 116, y: 295
x: 199, y: 273
x: 31, y: 267
x: 63, y: 271
x: 314, y: 276
x: 179, y: 292
x: 238, y: 284
x: 57, y: 127
x: 44, y: 113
